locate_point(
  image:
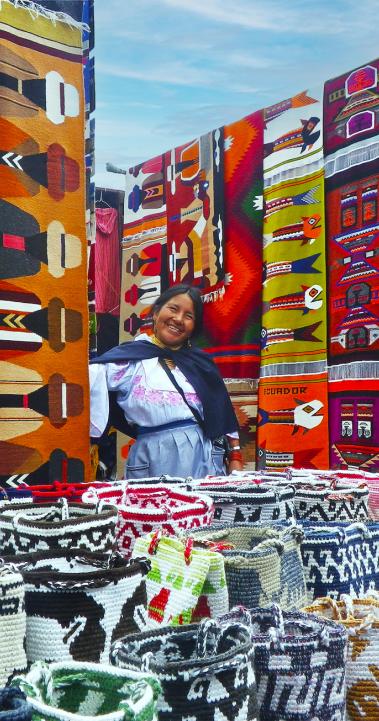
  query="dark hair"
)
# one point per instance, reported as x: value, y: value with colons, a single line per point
x: 195, y: 296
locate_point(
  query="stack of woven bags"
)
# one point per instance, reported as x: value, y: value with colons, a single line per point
x: 252, y: 597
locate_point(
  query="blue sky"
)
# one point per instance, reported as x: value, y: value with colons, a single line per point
x: 169, y: 70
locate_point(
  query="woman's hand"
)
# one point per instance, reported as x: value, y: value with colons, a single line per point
x: 235, y: 466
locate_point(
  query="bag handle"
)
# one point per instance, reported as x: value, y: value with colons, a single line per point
x: 159, y: 534
x: 270, y: 543
x: 239, y: 618
x: 331, y: 604
x: 207, y: 628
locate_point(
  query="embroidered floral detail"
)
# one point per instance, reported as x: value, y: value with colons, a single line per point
x: 160, y: 397
x: 121, y: 372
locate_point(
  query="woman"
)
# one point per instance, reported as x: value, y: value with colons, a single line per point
x: 173, y: 398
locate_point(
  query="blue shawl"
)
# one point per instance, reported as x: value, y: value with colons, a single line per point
x: 196, y: 366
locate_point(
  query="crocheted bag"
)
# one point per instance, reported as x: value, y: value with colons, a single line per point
x: 184, y: 583
x: 29, y: 527
x: 74, y: 691
x: 58, y: 489
x: 299, y: 664
x: 205, y: 670
x: 142, y: 509
x: 14, y: 706
x: 77, y: 603
x: 331, y: 501
x: 252, y: 503
x: 360, y: 617
x: 340, y: 558
x: 262, y: 565
x: 12, y: 623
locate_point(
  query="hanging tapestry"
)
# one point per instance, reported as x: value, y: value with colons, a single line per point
x: 144, y: 265
x: 232, y: 323
x: 107, y: 262
x: 244, y: 396
x: 293, y: 335
x: 354, y: 424
x: 144, y: 273
x: 351, y: 106
x: 292, y: 428
x: 353, y: 251
x: 89, y: 96
x: 43, y: 297
x: 194, y: 192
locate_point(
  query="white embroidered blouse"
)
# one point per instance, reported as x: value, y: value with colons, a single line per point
x: 145, y: 393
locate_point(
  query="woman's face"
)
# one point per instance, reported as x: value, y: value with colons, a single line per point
x: 175, y: 321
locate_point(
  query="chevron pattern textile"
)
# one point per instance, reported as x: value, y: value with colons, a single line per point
x: 43, y: 295
x: 232, y: 323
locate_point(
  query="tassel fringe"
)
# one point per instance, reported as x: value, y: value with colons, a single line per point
x: 353, y: 371
x: 35, y: 10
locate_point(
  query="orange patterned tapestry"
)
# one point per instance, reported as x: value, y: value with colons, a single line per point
x: 44, y: 425
x: 293, y: 422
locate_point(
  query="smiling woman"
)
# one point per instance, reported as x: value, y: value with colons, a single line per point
x: 175, y: 317
x: 172, y: 397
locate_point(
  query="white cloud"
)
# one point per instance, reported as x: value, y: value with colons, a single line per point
x: 248, y: 60
x: 246, y: 14
x: 330, y: 18
x: 170, y: 73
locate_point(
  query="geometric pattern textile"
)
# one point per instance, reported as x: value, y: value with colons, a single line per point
x: 292, y: 191
x: 182, y: 190
x: 232, y: 323
x: 340, y: 558
x: 299, y: 664
x: 244, y: 397
x: 354, y: 424
x: 351, y: 110
x: 44, y: 315
x: 351, y: 106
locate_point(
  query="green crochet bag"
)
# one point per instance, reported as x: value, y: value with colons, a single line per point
x: 184, y: 584
x: 74, y: 691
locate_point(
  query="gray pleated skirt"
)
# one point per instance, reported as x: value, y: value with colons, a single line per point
x: 182, y: 451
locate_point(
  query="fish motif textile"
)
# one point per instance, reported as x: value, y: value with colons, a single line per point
x: 293, y: 335
x: 43, y: 253
x: 293, y: 422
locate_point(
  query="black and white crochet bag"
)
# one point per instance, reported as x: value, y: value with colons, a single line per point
x: 12, y: 623
x: 340, y: 558
x: 299, y: 665
x: 205, y: 670
x: 251, y: 504
x: 29, y: 527
x: 331, y: 501
x: 77, y: 604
